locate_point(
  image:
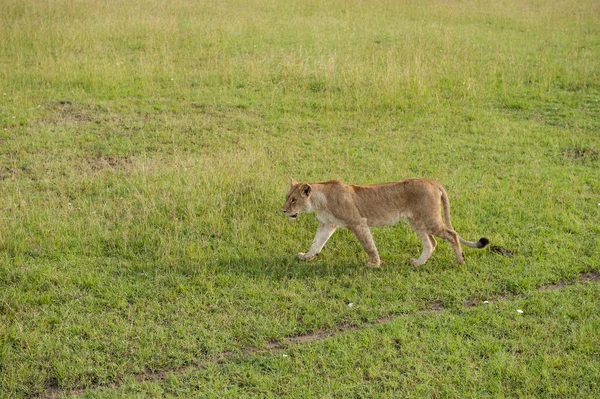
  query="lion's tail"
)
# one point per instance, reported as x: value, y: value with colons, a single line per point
x: 475, y: 244
x: 446, y: 207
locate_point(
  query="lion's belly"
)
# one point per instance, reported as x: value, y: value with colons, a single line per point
x: 372, y: 220
x: 325, y: 217
x: 385, y: 221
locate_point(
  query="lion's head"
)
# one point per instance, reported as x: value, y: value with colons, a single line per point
x: 297, y: 200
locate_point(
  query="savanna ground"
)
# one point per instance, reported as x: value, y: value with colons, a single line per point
x: 145, y: 151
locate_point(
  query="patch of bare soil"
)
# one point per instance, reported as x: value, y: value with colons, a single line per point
x: 501, y: 251
x: 65, y: 112
x: 590, y: 276
x: 436, y: 305
x: 579, y: 153
x: 107, y: 162
x: 11, y: 173
x: 586, y: 277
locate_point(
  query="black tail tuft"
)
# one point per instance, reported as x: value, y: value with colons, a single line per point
x: 483, y: 242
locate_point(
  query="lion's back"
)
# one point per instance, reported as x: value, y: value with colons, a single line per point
x: 387, y: 203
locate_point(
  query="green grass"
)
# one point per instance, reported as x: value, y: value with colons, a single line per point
x: 145, y: 151
x: 550, y: 350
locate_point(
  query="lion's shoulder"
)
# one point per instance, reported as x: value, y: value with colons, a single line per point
x: 330, y: 183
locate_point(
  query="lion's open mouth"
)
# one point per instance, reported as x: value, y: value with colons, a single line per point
x: 294, y: 216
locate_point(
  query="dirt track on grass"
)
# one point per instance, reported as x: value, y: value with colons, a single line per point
x: 53, y: 391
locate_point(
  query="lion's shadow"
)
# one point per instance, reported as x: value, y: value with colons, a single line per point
x: 288, y: 267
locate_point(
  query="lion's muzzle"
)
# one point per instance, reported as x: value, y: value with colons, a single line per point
x: 292, y: 216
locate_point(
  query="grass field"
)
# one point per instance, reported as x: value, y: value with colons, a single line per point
x: 145, y: 152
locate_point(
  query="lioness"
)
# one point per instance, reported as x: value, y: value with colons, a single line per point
x: 359, y: 206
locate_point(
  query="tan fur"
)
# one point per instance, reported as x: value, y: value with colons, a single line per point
x: 358, y: 207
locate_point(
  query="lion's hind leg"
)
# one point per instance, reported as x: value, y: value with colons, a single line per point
x: 453, y: 239
x: 429, y: 245
x: 427, y: 239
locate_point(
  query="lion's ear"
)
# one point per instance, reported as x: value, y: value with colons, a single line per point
x: 293, y: 183
x: 306, y: 190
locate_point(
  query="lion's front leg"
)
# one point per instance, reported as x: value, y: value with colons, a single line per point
x: 363, y: 233
x: 324, y: 231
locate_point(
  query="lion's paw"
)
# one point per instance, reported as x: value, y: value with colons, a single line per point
x: 416, y: 262
x: 303, y: 256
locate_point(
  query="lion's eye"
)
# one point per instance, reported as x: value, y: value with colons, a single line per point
x: 293, y: 200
